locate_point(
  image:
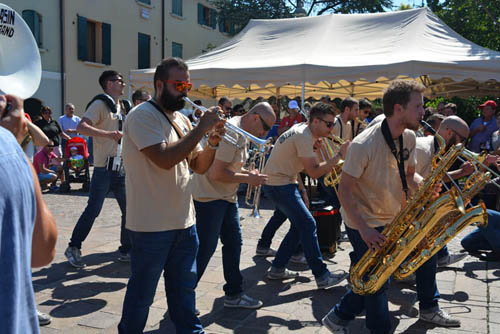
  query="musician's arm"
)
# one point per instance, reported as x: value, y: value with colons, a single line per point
x: 39, y: 138
x: 349, y: 202
x: 219, y: 171
x: 86, y: 127
x: 413, y: 178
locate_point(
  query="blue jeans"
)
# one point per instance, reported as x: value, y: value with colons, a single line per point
x: 287, y: 199
x: 174, y: 254
x: 484, y: 238
x: 427, y: 291
x: 214, y: 219
x: 352, y: 304
x: 102, y: 182
x: 270, y: 229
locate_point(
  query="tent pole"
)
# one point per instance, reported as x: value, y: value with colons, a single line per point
x: 303, y: 94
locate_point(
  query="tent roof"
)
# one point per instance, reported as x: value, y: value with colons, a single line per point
x: 349, y: 51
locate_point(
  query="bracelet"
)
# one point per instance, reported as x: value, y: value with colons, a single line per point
x: 212, y: 147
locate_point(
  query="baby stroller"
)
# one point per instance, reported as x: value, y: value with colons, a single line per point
x: 75, y: 174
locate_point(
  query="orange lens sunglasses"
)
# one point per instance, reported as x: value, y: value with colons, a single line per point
x: 181, y: 85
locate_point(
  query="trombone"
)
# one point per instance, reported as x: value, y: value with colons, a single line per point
x: 233, y: 133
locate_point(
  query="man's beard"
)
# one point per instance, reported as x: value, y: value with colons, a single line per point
x: 170, y: 102
x: 453, y: 141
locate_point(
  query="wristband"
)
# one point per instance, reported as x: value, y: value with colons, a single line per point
x: 212, y: 147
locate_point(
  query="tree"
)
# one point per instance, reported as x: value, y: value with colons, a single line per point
x: 239, y: 12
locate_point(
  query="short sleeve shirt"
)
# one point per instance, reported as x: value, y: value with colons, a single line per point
x: 284, y: 163
x: 206, y: 190
x: 370, y: 160
x: 41, y: 157
x: 69, y: 123
x: 157, y: 199
x: 425, y: 153
x: 484, y: 136
x: 341, y: 129
x: 102, y: 118
x: 51, y: 129
x: 289, y: 122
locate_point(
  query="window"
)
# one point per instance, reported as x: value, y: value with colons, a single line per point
x: 226, y: 26
x: 176, y: 50
x: 34, y: 21
x: 147, y: 2
x: 177, y: 7
x: 144, y: 50
x: 94, y: 41
x: 207, y: 16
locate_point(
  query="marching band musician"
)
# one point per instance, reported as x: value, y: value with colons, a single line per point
x: 160, y: 146
x: 216, y: 203
x: 344, y: 123
x: 292, y: 153
x: 378, y: 172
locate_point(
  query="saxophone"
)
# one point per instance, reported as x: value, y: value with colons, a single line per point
x: 413, y: 223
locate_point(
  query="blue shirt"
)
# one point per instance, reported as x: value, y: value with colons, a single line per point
x: 69, y: 123
x: 484, y: 136
x: 17, y: 220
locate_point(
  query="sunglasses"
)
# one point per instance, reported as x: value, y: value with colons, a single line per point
x: 265, y: 126
x: 462, y: 139
x: 181, y: 86
x: 327, y: 123
x: 117, y: 79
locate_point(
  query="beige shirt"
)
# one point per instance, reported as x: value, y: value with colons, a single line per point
x: 284, y: 163
x: 206, y: 190
x: 370, y: 160
x: 157, y: 199
x: 102, y: 118
x: 425, y: 153
x: 346, y: 129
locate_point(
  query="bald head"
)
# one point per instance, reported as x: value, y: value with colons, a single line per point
x: 265, y: 110
x: 456, y: 124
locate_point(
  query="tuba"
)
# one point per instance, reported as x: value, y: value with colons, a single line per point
x: 20, y: 64
x: 419, y: 229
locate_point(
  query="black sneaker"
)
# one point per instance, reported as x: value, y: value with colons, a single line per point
x: 74, y: 257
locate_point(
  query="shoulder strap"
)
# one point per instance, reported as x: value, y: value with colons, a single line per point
x: 402, y: 154
x: 126, y: 105
x: 340, y: 123
x: 106, y: 99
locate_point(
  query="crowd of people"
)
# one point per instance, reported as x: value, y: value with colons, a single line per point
x: 175, y: 178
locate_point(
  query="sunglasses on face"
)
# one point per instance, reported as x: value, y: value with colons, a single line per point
x: 265, y: 126
x: 120, y: 80
x: 327, y: 123
x: 181, y: 86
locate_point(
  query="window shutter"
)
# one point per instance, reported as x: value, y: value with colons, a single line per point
x: 82, y: 38
x: 144, y: 50
x: 177, y: 7
x: 36, y: 31
x: 221, y: 24
x: 200, y: 14
x: 213, y: 18
x: 106, y: 43
x: 29, y: 18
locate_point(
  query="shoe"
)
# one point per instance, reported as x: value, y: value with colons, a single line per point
x: 440, y: 318
x: 242, y: 301
x: 124, y: 257
x: 490, y: 256
x: 285, y: 274
x: 43, y: 319
x: 333, y: 327
x: 298, y: 259
x: 260, y: 251
x: 197, y: 312
x: 409, y: 280
x: 54, y: 189
x: 451, y: 259
x: 74, y: 257
x: 331, y: 280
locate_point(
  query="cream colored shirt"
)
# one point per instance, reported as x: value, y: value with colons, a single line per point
x: 425, y: 153
x: 284, y: 163
x: 157, y: 199
x: 346, y: 133
x: 370, y: 160
x: 206, y: 190
x: 102, y: 118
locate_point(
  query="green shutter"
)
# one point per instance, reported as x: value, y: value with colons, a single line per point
x: 176, y: 50
x: 36, y: 31
x: 82, y: 38
x: 106, y: 43
x: 213, y: 18
x: 144, y: 51
x: 32, y: 19
x: 200, y: 14
x: 221, y: 24
x: 177, y: 7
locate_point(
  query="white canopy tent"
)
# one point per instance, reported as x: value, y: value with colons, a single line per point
x: 342, y: 55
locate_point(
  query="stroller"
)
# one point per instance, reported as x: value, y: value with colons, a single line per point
x: 73, y: 174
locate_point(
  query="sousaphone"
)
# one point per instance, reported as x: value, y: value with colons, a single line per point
x: 20, y: 64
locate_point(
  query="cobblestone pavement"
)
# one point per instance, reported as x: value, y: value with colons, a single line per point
x: 90, y: 300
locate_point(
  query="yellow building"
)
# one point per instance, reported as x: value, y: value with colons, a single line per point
x: 120, y: 35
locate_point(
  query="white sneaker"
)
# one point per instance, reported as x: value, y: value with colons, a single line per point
x: 440, y: 318
x: 285, y: 274
x: 333, y: 327
x: 43, y: 319
x: 332, y: 279
x: 451, y: 259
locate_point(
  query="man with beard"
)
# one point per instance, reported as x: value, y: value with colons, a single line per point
x: 160, y: 147
x: 102, y: 121
x: 378, y: 173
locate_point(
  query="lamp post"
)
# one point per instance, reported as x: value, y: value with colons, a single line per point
x: 300, y: 11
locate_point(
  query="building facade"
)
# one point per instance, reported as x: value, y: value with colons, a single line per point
x: 79, y: 39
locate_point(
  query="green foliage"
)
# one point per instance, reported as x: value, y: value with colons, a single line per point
x: 476, y: 20
x: 467, y: 107
x: 348, y: 7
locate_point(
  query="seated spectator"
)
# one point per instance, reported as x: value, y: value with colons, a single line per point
x: 140, y: 96
x: 485, y: 238
x: 482, y: 128
x: 76, y: 160
x: 47, y: 173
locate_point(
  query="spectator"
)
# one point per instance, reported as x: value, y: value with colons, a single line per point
x: 485, y: 238
x: 226, y: 105
x: 450, y: 109
x: 52, y: 129
x: 482, y: 128
x: 140, y: 96
x: 495, y: 138
x: 238, y: 110
x: 440, y: 107
x: 47, y: 173
x: 68, y: 122
x: 28, y: 230
x: 434, y: 121
x: 293, y: 117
